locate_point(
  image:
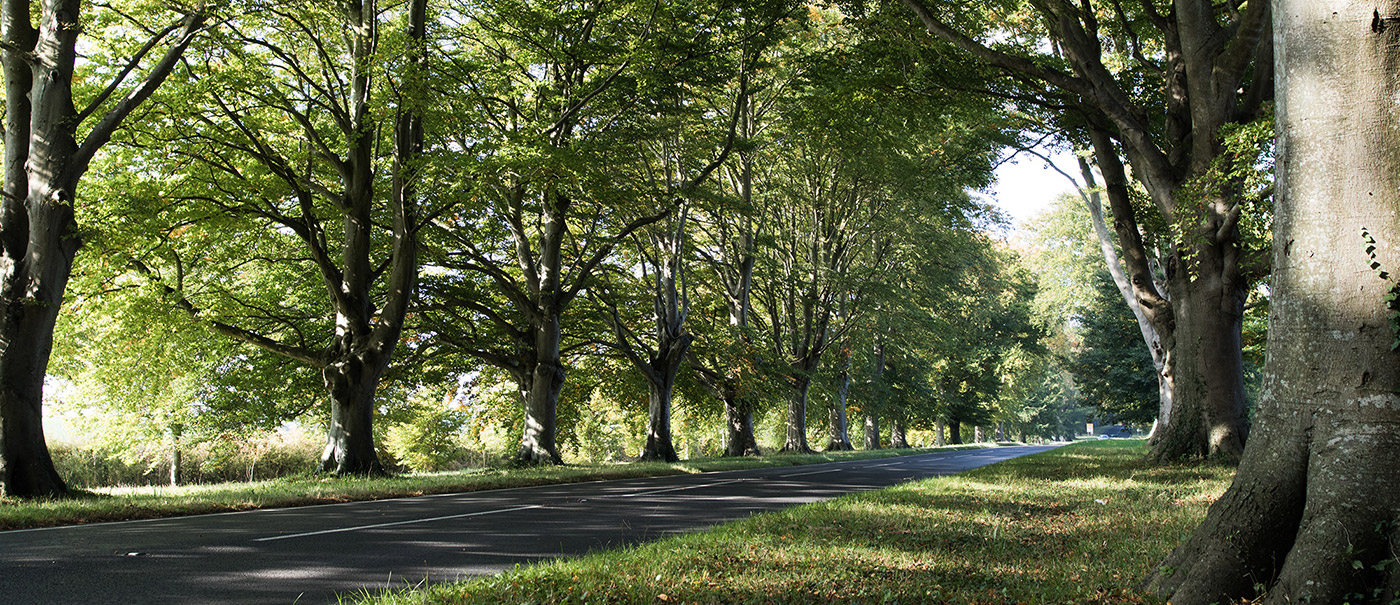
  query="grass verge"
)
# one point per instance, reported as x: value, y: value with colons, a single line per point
x: 1081, y: 524
x: 127, y: 503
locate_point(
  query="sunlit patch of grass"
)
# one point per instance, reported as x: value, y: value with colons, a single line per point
x: 126, y: 503
x: 1080, y: 524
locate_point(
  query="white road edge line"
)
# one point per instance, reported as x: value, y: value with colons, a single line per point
x: 408, y: 522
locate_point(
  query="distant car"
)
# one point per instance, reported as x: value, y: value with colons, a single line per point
x: 1116, y: 431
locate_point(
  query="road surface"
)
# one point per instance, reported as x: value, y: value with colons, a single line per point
x: 310, y: 554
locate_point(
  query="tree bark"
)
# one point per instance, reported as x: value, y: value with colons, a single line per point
x: 739, y: 424
x: 1208, y: 52
x: 1198, y: 329
x: 351, y: 384
x: 938, y: 439
x: 541, y: 396
x: 1150, y: 337
x: 955, y: 432
x: 872, y: 431
x: 796, y: 435
x: 838, y: 433
x: 1312, y: 514
x: 898, y: 432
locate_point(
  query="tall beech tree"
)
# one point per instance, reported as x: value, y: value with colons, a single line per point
x: 662, y: 261
x: 818, y: 236
x: 675, y: 167
x: 289, y: 146
x: 1208, y: 65
x: 49, y: 144
x: 730, y: 232
x: 1312, y: 513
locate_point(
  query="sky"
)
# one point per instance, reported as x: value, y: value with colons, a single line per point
x: 1026, y: 186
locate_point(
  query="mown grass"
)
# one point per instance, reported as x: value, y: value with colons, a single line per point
x: 1081, y: 524
x: 126, y: 503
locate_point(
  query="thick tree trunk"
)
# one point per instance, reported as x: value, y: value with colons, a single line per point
x: 658, y: 445
x: 739, y: 424
x: 1208, y: 405
x: 27, y: 330
x: 352, y: 383
x: 796, y: 439
x: 1108, y: 250
x: 1197, y: 331
x: 838, y: 432
x: 938, y: 439
x: 43, y: 163
x: 541, y: 397
x: 898, y: 432
x: 978, y: 434
x: 872, y: 431
x: 872, y: 407
x: 955, y: 432
x: 1313, y: 514
x: 838, y: 437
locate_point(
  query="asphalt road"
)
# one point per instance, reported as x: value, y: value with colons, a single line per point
x: 309, y: 554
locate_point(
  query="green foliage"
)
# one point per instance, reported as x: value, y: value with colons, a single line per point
x: 1392, y: 296
x: 1241, y: 178
x: 1112, y: 367
x: 429, y: 439
x: 218, y: 460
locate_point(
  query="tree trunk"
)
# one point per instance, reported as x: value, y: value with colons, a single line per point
x: 955, y: 432
x: 658, y: 446
x: 872, y: 407
x: 27, y: 330
x: 541, y: 396
x: 1198, y: 330
x: 898, y: 433
x: 838, y: 433
x: 838, y: 439
x: 739, y: 424
x: 796, y: 440
x: 1312, y: 515
x: 938, y: 440
x: 352, y: 383
x: 43, y: 163
x: 1124, y: 284
x: 175, y: 457
x: 1208, y: 405
x: 872, y: 431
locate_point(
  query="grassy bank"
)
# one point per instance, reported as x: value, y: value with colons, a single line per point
x: 1076, y: 525
x: 118, y: 504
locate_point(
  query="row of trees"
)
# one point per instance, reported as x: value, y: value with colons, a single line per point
x: 352, y: 203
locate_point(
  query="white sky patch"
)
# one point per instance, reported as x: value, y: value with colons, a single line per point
x: 1026, y: 187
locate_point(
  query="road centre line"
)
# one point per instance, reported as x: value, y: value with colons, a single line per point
x: 832, y: 470
x: 675, y: 489
x: 475, y: 514
x: 392, y: 524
